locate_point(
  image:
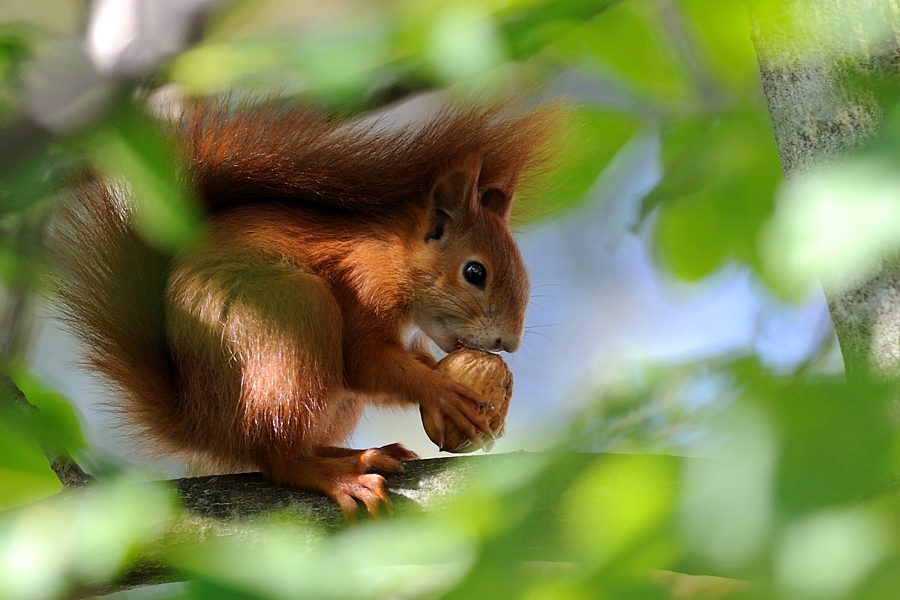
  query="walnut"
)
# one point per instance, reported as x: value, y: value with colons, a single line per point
x: 487, y: 375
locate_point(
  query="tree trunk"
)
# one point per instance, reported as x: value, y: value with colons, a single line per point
x: 813, y: 57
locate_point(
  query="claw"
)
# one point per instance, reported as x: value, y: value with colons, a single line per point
x: 453, y: 414
x: 344, y: 476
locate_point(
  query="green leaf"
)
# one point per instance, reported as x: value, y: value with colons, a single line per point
x: 85, y: 536
x: 722, y: 33
x: 17, y: 43
x: 626, y: 41
x: 327, y: 63
x: 528, y: 29
x: 31, y: 166
x: 25, y: 473
x: 132, y: 145
x: 618, y: 502
x: 20, y: 486
x: 721, y: 173
x: 591, y: 139
x: 834, y: 228
x: 51, y: 421
x: 838, y: 444
x: 19, y: 450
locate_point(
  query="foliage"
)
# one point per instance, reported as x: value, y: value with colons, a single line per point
x: 795, y: 496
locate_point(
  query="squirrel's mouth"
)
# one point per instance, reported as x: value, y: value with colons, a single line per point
x: 446, y: 341
x: 453, y: 342
x: 449, y: 338
x: 448, y: 344
x: 463, y: 346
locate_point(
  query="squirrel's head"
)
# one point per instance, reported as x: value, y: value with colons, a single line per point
x: 472, y: 286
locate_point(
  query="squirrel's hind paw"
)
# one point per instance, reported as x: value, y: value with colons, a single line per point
x: 346, y: 476
x: 367, y: 488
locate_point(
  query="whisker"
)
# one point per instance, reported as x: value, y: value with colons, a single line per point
x: 543, y: 336
x: 554, y: 324
x: 524, y: 347
x: 465, y: 311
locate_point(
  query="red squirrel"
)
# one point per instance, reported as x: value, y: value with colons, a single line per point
x: 326, y: 241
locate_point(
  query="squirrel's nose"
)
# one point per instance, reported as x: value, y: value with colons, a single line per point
x: 504, y: 340
x: 507, y: 344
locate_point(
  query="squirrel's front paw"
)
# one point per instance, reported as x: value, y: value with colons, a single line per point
x: 454, y: 418
x: 484, y: 379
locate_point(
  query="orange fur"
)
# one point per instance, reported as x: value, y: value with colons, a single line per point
x: 259, y: 346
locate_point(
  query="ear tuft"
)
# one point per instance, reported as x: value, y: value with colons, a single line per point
x: 456, y: 190
x: 497, y: 201
x: 498, y: 194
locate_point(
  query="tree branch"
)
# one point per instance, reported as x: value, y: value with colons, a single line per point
x: 219, y: 506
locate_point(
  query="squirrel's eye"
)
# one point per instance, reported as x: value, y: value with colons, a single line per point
x: 475, y: 273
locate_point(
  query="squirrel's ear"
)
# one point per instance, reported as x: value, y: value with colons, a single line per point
x: 498, y: 198
x: 456, y: 190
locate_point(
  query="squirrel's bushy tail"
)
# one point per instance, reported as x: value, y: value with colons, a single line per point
x: 111, y: 284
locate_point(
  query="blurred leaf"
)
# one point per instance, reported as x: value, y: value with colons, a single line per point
x: 727, y: 504
x: 837, y: 443
x: 836, y: 439
x: 84, y: 535
x: 29, y: 161
x: 22, y: 261
x: 526, y: 520
x: 54, y: 424
x: 566, y: 501
x: 374, y: 560
x: 722, y: 32
x: 721, y: 172
x: 17, y: 41
x: 20, y: 486
x: 32, y: 166
x: 626, y: 40
x: 816, y: 234
x: 25, y: 473
x: 215, y: 589
x: 342, y: 62
x: 216, y: 67
x: 463, y: 42
x: 883, y: 584
x: 593, y: 137
x: 828, y: 554
x: 132, y: 146
x: 16, y: 44
x: 528, y: 27
x: 617, y: 502
x: 21, y: 451
x: 548, y: 587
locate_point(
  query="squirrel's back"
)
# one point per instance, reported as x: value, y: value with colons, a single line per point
x: 294, y: 153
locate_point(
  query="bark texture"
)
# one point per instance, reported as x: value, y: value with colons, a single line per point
x: 816, y: 58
